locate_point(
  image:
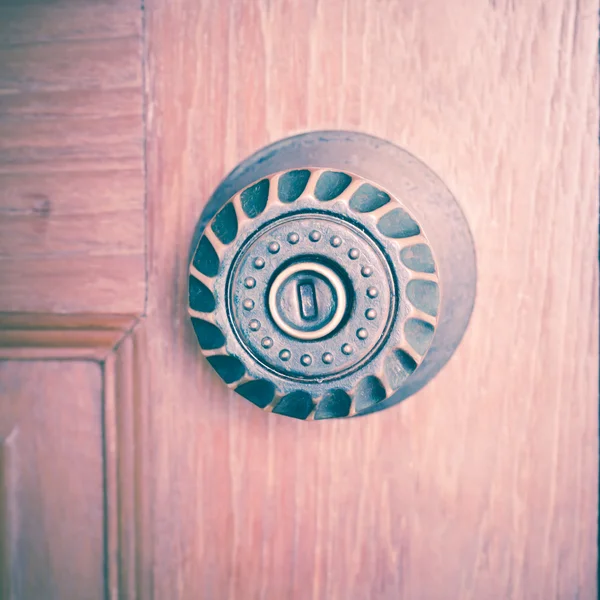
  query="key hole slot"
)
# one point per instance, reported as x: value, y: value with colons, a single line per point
x: 307, y: 300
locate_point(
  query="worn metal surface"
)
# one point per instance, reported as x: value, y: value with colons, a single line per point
x: 422, y: 192
x: 315, y: 292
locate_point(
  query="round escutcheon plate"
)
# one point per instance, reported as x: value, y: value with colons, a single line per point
x: 315, y: 292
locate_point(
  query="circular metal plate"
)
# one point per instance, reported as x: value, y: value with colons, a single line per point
x: 317, y: 290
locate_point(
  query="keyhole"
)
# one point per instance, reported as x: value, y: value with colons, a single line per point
x: 307, y: 300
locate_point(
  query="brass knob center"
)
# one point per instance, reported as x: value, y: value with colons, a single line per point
x: 307, y: 300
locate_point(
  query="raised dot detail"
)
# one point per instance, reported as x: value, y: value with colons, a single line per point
x: 293, y: 238
x: 259, y: 263
x: 347, y: 349
x: 372, y: 292
x: 353, y: 253
x: 370, y: 313
x: 273, y: 247
x: 366, y: 271
x: 314, y: 236
x: 266, y: 342
x: 327, y: 358
x: 254, y: 325
x: 306, y: 360
x: 362, y: 334
x: 336, y: 241
x: 249, y: 282
x: 248, y: 304
x: 285, y: 355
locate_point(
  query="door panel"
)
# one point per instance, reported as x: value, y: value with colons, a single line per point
x: 72, y: 286
x: 484, y: 485
x: 52, y: 480
x: 72, y: 517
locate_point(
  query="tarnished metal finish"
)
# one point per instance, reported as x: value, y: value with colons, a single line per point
x: 314, y: 293
x: 308, y: 300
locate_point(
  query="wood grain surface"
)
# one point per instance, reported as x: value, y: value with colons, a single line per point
x: 51, y: 481
x: 127, y: 470
x: 72, y: 235
x: 72, y: 286
x: 485, y: 484
x: 48, y: 336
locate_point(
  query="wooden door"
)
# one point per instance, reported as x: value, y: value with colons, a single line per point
x: 127, y: 470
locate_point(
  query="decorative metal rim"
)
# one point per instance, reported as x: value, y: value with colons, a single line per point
x: 362, y: 202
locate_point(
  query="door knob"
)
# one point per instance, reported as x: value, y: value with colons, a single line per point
x: 328, y: 268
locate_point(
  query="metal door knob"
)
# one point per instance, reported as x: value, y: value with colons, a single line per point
x: 314, y: 290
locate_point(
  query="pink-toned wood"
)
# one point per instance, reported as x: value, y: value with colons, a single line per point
x: 78, y: 532
x: 485, y: 484
x: 75, y: 322
x: 34, y: 336
x: 114, y: 340
x: 71, y: 157
x: 51, y: 485
x: 128, y: 521
x: 39, y: 21
x: 72, y: 286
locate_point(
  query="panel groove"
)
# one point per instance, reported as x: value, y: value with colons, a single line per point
x: 483, y: 485
x: 8, y: 517
x: 49, y: 336
x: 123, y: 432
x: 125, y: 467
